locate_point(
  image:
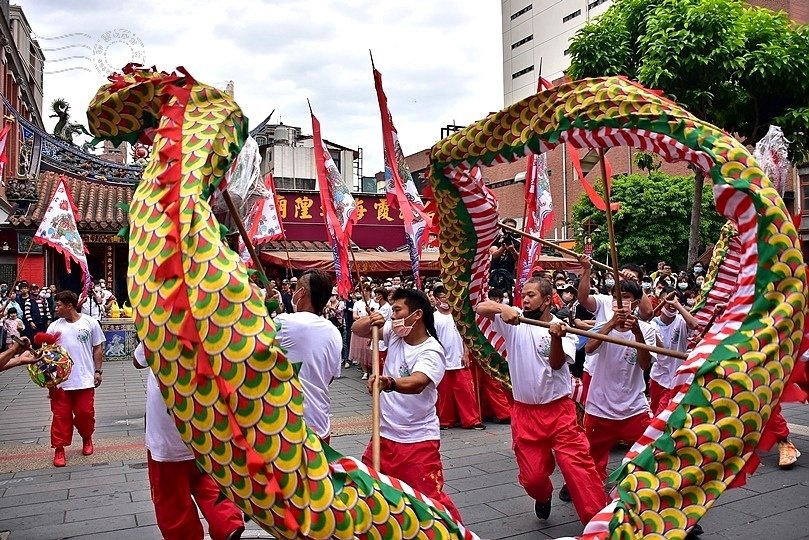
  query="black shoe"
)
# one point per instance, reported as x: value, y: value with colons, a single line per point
x: 503, y: 420
x: 444, y: 428
x: 542, y: 510
x: 477, y: 427
x: 564, y: 494
x: 695, y: 531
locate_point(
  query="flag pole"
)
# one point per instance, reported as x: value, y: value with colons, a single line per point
x: 376, y: 412
x: 610, y: 228
x: 552, y: 245
x: 234, y: 214
x: 610, y: 339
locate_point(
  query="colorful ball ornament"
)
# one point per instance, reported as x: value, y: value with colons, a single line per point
x: 52, y: 367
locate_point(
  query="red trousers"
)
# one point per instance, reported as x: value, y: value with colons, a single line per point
x: 175, y: 487
x: 586, y: 378
x: 495, y: 402
x: 659, y: 396
x: 777, y: 425
x: 540, y: 432
x: 71, y: 408
x: 456, y: 399
x: 416, y: 464
x: 603, y: 434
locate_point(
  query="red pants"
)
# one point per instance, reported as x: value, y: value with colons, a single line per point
x: 418, y: 465
x: 586, y: 378
x: 494, y: 400
x: 175, y: 487
x: 777, y: 425
x: 456, y: 399
x: 659, y: 396
x: 71, y: 408
x: 540, y: 432
x: 603, y: 434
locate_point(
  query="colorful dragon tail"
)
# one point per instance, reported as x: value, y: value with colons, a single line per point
x: 235, y: 398
x: 705, y: 440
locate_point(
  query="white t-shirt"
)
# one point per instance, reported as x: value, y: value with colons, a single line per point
x: 673, y: 336
x: 359, y: 309
x: 409, y: 418
x: 316, y: 343
x: 91, y: 308
x: 162, y: 438
x: 533, y: 380
x: 79, y: 338
x: 450, y: 339
x: 387, y: 312
x: 603, y: 312
x: 616, y: 391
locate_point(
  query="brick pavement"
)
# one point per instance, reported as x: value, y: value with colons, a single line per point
x: 106, y: 496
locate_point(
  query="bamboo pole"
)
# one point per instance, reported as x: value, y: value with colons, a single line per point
x: 552, y: 245
x: 376, y: 413
x: 610, y: 339
x: 610, y: 228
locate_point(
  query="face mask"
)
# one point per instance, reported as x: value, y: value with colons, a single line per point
x: 609, y: 282
x: 682, y: 286
x: 443, y: 305
x: 400, y: 326
x: 103, y: 286
x: 697, y: 269
x: 535, y: 314
x: 358, y: 297
x: 646, y: 286
x: 658, y: 291
x: 669, y: 312
x: 690, y: 302
x: 506, y: 300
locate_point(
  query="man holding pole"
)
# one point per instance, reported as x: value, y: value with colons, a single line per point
x: 415, y: 364
x: 543, y: 417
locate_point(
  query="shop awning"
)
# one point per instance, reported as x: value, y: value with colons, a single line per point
x: 368, y: 262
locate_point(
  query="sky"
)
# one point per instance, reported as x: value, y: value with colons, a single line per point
x: 441, y: 61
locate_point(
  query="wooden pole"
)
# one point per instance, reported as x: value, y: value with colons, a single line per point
x: 376, y: 412
x: 552, y: 245
x: 656, y: 310
x: 610, y: 228
x: 611, y: 339
x: 289, y: 259
x: 237, y: 219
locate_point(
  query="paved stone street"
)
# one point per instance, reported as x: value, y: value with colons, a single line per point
x: 106, y: 496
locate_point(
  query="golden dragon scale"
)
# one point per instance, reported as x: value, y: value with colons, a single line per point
x: 235, y: 398
x: 705, y: 440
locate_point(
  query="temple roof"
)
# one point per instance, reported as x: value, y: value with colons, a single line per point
x: 95, y: 201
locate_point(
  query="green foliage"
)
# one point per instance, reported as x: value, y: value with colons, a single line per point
x: 739, y: 67
x: 646, y: 161
x: 653, y: 221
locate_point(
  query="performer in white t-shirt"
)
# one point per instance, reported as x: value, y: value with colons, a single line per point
x: 457, y: 402
x: 543, y: 417
x: 175, y: 480
x: 616, y: 408
x: 410, y: 435
x: 316, y: 343
x: 673, y: 325
x: 73, y: 401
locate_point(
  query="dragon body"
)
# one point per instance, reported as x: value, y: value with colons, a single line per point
x: 234, y: 396
x: 236, y: 399
x: 727, y: 388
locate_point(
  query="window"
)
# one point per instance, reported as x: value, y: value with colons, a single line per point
x: 571, y: 16
x: 526, y: 9
x: 595, y: 3
x: 304, y: 184
x: 522, y: 72
x: 522, y: 41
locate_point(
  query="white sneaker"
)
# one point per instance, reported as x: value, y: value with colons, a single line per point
x: 787, y: 454
x: 364, y: 376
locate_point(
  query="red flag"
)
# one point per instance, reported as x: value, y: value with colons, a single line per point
x: 339, y: 209
x: 58, y: 230
x: 263, y: 222
x: 3, y: 159
x: 595, y: 198
x: 399, y: 185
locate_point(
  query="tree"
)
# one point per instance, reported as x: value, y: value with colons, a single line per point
x: 738, y: 67
x: 653, y: 221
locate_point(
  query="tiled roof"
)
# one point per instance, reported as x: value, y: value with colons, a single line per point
x: 95, y: 201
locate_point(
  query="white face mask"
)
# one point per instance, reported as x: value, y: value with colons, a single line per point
x: 609, y: 282
x: 682, y: 286
x: 690, y: 302
x: 697, y: 269
x: 506, y: 300
x: 443, y: 305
